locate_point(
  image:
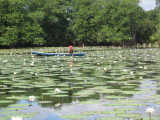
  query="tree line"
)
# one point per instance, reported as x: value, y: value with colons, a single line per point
x: 27, y: 23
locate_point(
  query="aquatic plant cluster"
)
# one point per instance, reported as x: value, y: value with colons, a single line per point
x: 106, y: 84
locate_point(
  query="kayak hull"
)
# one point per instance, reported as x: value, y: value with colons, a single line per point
x: 58, y: 54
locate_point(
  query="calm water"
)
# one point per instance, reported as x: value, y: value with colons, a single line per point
x: 102, y: 81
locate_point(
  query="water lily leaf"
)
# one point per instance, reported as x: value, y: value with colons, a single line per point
x: 153, y: 118
x: 108, y: 91
x: 114, y: 104
x: 49, y: 93
x: 124, y: 109
x: 90, y: 102
x: 76, y: 116
x: 25, y: 87
x: 77, y: 87
x: 17, y: 97
x: 8, y: 113
x: 19, y: 105
x: 130, y: 115
x: 110, y: 118
x: 3, y: 118
x: 47, y: 88
x: 6, y: 101
x: 59, y: 95
x: 84, y: 93
x: 113, y: 112
x: 14, y: 108
x: 17, y: 91
x: 92, y: 113
x: 115, y: 97
x: 24, y: 115
x: 2, y: 93
x: 43, y: 102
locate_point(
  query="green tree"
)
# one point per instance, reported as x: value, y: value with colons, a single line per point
x: 82, y: 21
x: 10, y: 14
x: 157, y: 4
x: 120, y: 22
x: 55, y: 23
x: 17, y: 27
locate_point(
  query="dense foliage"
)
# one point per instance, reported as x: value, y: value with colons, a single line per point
x: 90, y: 22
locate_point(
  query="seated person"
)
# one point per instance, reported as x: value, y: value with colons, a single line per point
x: 70, y: 49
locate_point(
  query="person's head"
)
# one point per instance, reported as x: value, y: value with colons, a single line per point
x: 70, y: 47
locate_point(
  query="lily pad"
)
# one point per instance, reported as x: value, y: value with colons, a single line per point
x: 90, y: 102
x: 115, y: 97
x: 43, y: 102
x: 110, y: 118
x: 24, y: 115
x: 76, y: 116
x: 125, y: 109
x: 59, y: 95
x: 14, y: 108
x: 19, y: 105
x: 130, y: 115
x: 9, y: 113
x: 17, y: 97
x: 6, y: 101
x: 17, y: 91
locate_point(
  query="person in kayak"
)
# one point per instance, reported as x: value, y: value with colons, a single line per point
x: 70, y: 49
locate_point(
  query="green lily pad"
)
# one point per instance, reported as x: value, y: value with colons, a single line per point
x: 19, y: 105
x: 125, y: 109
x: 24, y: 115
x: 115, y: 97
x: 17, y: 97
x: 2, y: 93
x: 59, y: 95
x: 92, y: 113
x: 17, y: 91
x: 153, y: 118
x: 108, y: 91
x: 47, y: 88
x: 6, y: 101
x: 48, y: 93
x: 84, y: 93
x: 110, y: 118
x: 14, y: 108
x: 3, y: 118
x: 90, y: 102
x: 43, y: 102
x: 130, y: 115
x: 76, y: 116
x: 9, y: 113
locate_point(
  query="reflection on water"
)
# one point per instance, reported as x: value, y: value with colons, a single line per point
x: 104, y: 77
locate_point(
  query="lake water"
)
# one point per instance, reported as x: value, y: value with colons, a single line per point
x: 106, y: 84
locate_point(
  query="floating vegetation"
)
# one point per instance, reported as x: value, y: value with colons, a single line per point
x: 17, y: 91
x: 90, y: 102
x: 118, y: 81
x: 14, y: 109
x: 110, y: 118
x: 24, y: 115
x: 6, y: 101
x: 43, y: 102
x: 115, y: 97
x: 84, y: 93
x: 130, y: 115
x: 75, y: 116
x: 59, y: 95
x: 17, y: 97
x: 8, y: 113
x: 124, y: 109
x: 18, y: 105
